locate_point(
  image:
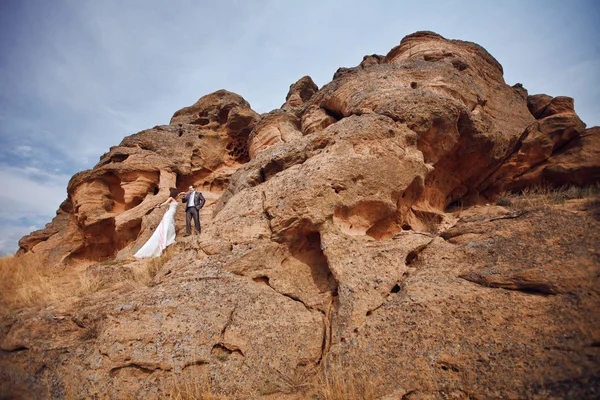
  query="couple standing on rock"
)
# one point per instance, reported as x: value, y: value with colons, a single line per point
x: 164, y: 235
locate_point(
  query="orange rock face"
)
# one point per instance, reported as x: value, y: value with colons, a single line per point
x: 110, y: 208
x: 325, y: 236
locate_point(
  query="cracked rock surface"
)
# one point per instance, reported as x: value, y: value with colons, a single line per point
x: 324, y: 237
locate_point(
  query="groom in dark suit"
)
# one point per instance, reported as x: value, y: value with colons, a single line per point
x: 194, y: 202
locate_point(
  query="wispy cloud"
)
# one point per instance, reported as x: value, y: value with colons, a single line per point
x: 28, y: 200
x: 10, y: 233
x: 30, y: 193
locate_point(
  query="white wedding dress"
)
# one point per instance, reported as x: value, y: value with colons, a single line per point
x: 163, y: 236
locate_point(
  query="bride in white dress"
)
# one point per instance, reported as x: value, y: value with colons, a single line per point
x: 164, y: 235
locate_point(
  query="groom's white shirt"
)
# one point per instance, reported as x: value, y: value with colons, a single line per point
x: 191, y: 199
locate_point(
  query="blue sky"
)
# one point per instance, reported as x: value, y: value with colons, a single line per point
x: 76, y: 76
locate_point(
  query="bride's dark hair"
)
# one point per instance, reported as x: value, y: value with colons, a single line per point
x: 173, y: 192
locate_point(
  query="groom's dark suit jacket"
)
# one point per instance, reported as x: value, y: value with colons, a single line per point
x: 198, y: 200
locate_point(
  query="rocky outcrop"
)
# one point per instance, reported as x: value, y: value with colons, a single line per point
x: 575, y: 163
x: 109, y: 210
x: 486, y: 309
x: 444, y: 99
x: 320, y: 241
x: 556, y: 130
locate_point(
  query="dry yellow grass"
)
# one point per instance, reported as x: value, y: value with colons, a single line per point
x: 191, y: 386
x: 334, y: 381
x: 27, y: 281
x: 537, y: 196
x: 144, y: 272
x: 337, y: 381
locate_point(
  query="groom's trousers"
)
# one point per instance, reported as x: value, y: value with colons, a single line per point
x: 192, y: 212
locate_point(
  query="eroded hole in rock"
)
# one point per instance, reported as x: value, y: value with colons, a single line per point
x: 262, y: 279
x: 465, y: 126
x: 428, y: 221
x: 433, y: 57
x: 222, y: 353
x: 127, y: 233
x: 309, y: 261
x: 155, y: 190
x: 412, y: 257
x: 200, y: 121
x: 371, y: 218
x: 338, y: 189
x: 448, y: 367
x: 413, y: 85
x: 224, y: 113
x: 129, y: 192
x: 406, y: 227
x: 455, y: 205
x: 333, y: 113
x: 237, y: 148
x: 135, y: 201
x: 271, y: 169
x: 277, y: 165
x: 203, y: 180
x: 305, y: 248
x: 117, y: 158
x: 114, y: 200
x: 460, y: 65
x: 98, y: 242
x: 395, y: 289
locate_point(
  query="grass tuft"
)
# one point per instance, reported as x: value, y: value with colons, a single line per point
x: 26, y: 281
x: 188, y: 386
x: 145, y: 271
x: 337, y: 381
x: 543, y: 195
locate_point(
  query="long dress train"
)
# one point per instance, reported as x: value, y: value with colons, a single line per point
x: 163, y: 236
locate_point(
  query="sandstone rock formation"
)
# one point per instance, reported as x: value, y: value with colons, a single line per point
x: 321, y: 241
x: 111, y: 206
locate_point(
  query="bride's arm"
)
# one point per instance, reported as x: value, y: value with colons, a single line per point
x: 169, y: 200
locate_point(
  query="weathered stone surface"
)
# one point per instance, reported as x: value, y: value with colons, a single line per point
x: 537, y: 103
x: 454, y: 332
x: 576, y: 163
x: 111, y: 206
x: 452, y: 95
x: 559, y: 105
x: 324, y: 237
x: 275, y: 127
x: 315, y: 119
x: 557, y: 126
x: 300, y: 92
x: 206, y: 320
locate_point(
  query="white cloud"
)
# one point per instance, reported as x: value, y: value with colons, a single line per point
x: 29, y: 200
x: 30, y: 194
x: 10, y: 235
x: 23, y: 149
